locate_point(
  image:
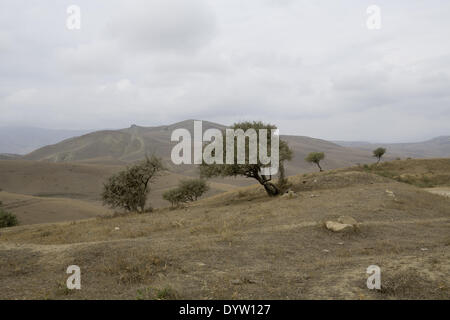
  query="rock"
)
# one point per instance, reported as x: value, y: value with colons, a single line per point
x: 338, y: 227
x: 236, y: 281
x: 390, y: 193
x: 347, y: 220
x: 116, y: 228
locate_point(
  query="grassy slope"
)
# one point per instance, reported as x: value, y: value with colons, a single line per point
x: 419, y: 172
x: 242, y: 244
x: 39, y: 192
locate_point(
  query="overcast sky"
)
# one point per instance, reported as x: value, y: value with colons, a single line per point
x: 311, y: 67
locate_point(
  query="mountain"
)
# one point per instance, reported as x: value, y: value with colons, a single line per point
x: 22, y: 140
x: 435, y: 148
x: 133, y: 143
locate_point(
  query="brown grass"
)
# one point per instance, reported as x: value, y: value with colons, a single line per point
x: 244, y: 245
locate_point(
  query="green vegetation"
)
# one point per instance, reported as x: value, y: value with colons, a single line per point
x: 187, y: 191
x: 129, y: 188
x: 250, y: 170
x: 420, y: 173
x: 378, y: 153
x: 7, y: 219
x: 315, y: 157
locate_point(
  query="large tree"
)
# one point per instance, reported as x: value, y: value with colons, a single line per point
x: 128, y: 189
x: 248, y: 169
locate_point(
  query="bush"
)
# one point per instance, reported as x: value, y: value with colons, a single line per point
x: 174, y: 196
x: 187, y: 191
x: 193, y: 189
x: 7, y: 219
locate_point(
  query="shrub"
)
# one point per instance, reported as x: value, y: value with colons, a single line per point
x: 7, y: 219
x: 193, y: 189
x: 174, y: 196
x: 187, y: 191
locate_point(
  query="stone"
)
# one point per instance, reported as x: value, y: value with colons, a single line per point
x: 390, y: 193
x: 338, y: 227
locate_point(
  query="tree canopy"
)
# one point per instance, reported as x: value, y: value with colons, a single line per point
x: 248, y: 169
x: 315, y: 157
x: 378, y: 153
x: 128, y: 189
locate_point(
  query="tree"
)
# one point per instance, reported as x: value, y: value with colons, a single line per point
x: 187, y: 191
x: 128, y: 189
x: 378, y: 153
x: 248, y: 169
x: 315, y: 157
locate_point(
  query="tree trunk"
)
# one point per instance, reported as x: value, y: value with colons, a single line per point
x: 320, y: 168
x: 271, y: 189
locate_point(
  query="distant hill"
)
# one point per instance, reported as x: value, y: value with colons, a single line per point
x: 22, y: 140
x: 9, y: 156
x: 133, y: 143
x: 435, y: 148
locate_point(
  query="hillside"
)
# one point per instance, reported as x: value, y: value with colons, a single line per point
x: 434, y: 148
x: 37, y: 210
x: 132, y: 144
x: 40, y: 185
x: 244, y: 245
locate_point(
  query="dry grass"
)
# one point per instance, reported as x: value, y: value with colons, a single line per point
x: 244, y: 245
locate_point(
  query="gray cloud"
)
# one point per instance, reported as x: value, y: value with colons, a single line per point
x: 312, y: 68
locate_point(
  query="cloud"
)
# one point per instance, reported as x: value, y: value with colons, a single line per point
x: 313, y: 68
x: 175, y: 26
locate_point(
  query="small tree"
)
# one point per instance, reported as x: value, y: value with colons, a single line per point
x: 247, y: 169
x: 129, y: 188
x: 193, y: 188
x: 315, y: 157
x: 174, y: 196
x: 187, y: 190
x: 378, y: 153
